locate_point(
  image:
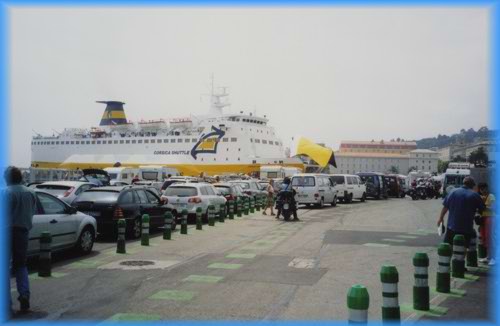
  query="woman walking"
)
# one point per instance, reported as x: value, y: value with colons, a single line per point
x: 270, y: 197
x: 487, y: 228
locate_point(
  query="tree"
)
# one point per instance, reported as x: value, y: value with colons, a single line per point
x: 458, y: 158
x: 394, y: 169
x: 442, y: 166
x: 478, y: 157
x: 412, y: 168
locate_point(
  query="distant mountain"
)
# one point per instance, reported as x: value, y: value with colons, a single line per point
x: 465, y: 136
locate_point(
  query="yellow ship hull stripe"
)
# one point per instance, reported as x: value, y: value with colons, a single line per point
x: 185, y: 169
x: 114, y: 115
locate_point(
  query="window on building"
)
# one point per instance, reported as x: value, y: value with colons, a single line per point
x: 146, y: 141
x: 115, y: 142
x: 153, y: 141
x: 179, y: 140
x: 158, y: 140
x: 121, y: 141
x: 134, y: 141
x: 172, y: 140
x: 139, y: 141
x: 233, y: 140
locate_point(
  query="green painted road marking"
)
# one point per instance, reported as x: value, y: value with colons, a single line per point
x: 173, y: 295
x: 471, y: 278
x: 377, y: 245
x: 225, y: 266
x: 53, y: 275
x: 85, y: 264
x: 407, y: 236
x: 394, y: 240
x: 434, y: 311
x: 243, y: 256
x: 133, y: 317
x: 455, y: 293
x: 203, y: 278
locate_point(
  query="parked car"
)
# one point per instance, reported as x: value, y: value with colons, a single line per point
x: 167, y: 183
x: 375, y: 186
x: 349, y: 187
x: 118, y: 183
x: 68, y: 227
x: 97, y: 177
x: 192, y: 195
x: 250, y: 187
x: 230, y: 191
x: 109, y: 204
x: 314, y: 189
x: 394, y: 186
x: 67, y: 191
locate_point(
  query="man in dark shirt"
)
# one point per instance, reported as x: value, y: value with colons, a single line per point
x: 462, y: 205
x: 21, y: 206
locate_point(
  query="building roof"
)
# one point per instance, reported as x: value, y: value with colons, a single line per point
x: 427, y: 151
x: 411, y: 143
x: 370, y: 155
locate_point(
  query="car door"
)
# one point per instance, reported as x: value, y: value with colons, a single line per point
x: 129, y: 203
x: 62, y: 226
x: 40, y: 224
x: 350, y: 185
x: 156, y: 209
x: 144, y: 205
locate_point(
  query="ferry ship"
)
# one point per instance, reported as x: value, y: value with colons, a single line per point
x: 215, y: 143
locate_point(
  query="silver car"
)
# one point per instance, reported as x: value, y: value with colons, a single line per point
x: 190, y: 196
x: 66, y: 191
x: 68, y: 227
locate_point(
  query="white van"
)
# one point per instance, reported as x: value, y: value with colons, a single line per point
x: 155, y: 172
x: 314, y: 189
x: 121, y: 174
x: 349, y: 187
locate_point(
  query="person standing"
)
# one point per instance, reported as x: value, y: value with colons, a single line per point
x: 21, y: 206
x: 487, y: 227
x: 462, y: 205
x: 270, y: 197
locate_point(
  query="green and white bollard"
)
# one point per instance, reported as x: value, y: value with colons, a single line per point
x: 211, y: 215
x: 231, y: 209
x: 239, y: 207
x: 120, y: 243
x: 145, y: 230
x: 199, y: 218
x: 258, y: 203
x: 390, y: 306
x: 184, y: 222
x: 45, y: 259
x: 222, y: 213
x: 358, y: 302
x: 246, y: 206
x: 167, y: 230
x: 472, y: 251
x: 458, y: 262
x: 482, y: 251
x: 421, y: 287
x: 252, y: 205
x: 443, y: 272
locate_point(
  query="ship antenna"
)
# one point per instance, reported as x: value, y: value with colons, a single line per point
x: 39, y: 135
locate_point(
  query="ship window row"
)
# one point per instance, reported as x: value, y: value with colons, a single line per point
x: 263, y: 141
x: 121, y: 141
x: 237, y: 119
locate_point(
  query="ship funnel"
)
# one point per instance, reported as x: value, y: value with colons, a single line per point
x: 114, y: 113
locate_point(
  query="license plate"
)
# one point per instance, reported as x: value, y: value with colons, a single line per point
x: 285, y: 206
x: 94, y: 214
x: 302, y: 196
x: 180, y: 204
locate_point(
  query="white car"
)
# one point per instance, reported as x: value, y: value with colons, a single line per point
x: 68, y: 227
x: 66, y: 191
x: 314, y: 189
x: 349, y: 187
x: 190, y: 196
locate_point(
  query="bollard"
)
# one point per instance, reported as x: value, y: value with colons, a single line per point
x: 120, y: 243
x: 199, y: 220
x: 145, y: 230
x: 167, y: 230
x: 258, y: 203
x: 45, y: 259
x: 458, y: 263
x: 482, y: 251
x: 421, y: 287
x: 222, y: 213
x: 231, y: 209
x: 390, y: 306
x: 211, y: 215
x: 252, y: 205
x: 358, y: 302
x: 246, y: 207
x: 443, y: 272
x: 472, y: 251
x: 184, y: 222
x: 239, y: 207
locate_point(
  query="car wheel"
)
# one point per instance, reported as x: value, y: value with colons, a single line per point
x: 321, y: 203
x: 334, y: 202
x: 363, y: 198
x: 135, y: 228
x: 86, y: 240
x: 348, y: 198
x: 308, y: 205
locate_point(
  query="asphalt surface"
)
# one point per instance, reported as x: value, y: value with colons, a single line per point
x: 258, y: 268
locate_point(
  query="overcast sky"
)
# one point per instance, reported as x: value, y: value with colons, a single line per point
x: 327, y: 73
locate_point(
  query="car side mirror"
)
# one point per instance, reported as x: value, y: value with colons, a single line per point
x: 71, y: 210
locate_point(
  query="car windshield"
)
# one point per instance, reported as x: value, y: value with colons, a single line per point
x: 303, y: 181
x: 454, y: 180
x: 150, y: 175
x: 244, y: 185
x: 367, y: 178
x: 181, y: 191
x: 113, y: 176
x: 98, y: 196
x: 224, y: 190
x: 55, y: 190
x: 338, y: 179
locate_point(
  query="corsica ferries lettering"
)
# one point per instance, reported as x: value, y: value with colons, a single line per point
x: 206, y: 145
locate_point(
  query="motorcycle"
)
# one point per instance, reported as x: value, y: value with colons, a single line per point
x: 286, y: 204
x: 418, y: 192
